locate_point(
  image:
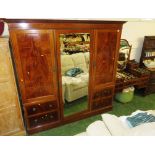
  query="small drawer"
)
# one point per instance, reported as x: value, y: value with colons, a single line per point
x: 43, y: 119
x: 151, y: 88
x: 103, y: 93
x: 152, y: 76
x: 41, y: 107
x: 99, y: 104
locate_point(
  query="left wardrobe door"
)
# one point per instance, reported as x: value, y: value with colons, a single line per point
x: 35, y: 62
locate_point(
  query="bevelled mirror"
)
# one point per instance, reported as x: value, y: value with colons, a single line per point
x: 124, y: 54
x: 75, y: 53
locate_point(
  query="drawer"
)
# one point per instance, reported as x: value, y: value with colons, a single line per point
x: 152, y: 76
x: 101, y: 103
x: 151, y: 88
x: 43, y: 119
x: 41, y: 107
x: 103, y: 93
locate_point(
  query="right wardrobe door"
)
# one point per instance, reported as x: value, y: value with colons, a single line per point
x: 104, y: 68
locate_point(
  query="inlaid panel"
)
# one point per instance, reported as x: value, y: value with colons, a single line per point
x: 38, y: 72
x: 105, y: 49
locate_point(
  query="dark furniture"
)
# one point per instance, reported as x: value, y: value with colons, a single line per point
x: 148, y: 53
x: 129, y: 72
x: 36, y: 52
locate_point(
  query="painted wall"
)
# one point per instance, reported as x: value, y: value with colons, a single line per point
x: 134, y: 31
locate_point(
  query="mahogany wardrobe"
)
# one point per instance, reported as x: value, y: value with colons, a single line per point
x: 65, y: 69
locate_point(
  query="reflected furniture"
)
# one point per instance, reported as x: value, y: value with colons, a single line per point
x: 36, y: 48
x: 75, y: 87
x: 11, y: 122
x: 129, y: 72
x: 148, y: 60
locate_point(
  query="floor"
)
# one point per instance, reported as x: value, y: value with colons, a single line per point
x: 75, y: 106
x: 138, y: 102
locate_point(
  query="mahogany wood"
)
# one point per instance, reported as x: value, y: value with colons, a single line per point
x: 36, y: 50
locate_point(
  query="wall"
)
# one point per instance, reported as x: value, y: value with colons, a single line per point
x: 134, y: 31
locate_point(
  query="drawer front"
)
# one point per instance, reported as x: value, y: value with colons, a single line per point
x: 43, y: 119
x: 103, y: 93
x: 152, y: 76
x: 101, y: 103
x: 41, y: 107
x: 151, y: 88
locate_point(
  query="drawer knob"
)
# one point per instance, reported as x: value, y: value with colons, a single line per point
x: 50, y: 105
x: 34, y: 109
x: 21, y: 80
x: 51, y: 116
x: 35, y: 120
x: 42, y: 55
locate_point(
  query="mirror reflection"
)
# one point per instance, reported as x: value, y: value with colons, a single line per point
x: 124, y: 54
x: 75, y: 49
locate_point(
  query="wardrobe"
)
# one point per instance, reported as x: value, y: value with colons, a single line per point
x: 43, y: 49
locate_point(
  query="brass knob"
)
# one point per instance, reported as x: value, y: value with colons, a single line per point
x: 28, y: 73
x: 34, y: 109
x: 51, y: 116
x: 50, y: 105
x: 42, y: 55
x: 35, y: 120
x: 117, y: 30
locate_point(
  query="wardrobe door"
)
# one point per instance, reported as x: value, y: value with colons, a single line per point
x: 104, y: 67
x: 35, y: 61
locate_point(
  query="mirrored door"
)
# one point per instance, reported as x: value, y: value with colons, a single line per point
x: 74, y: 50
